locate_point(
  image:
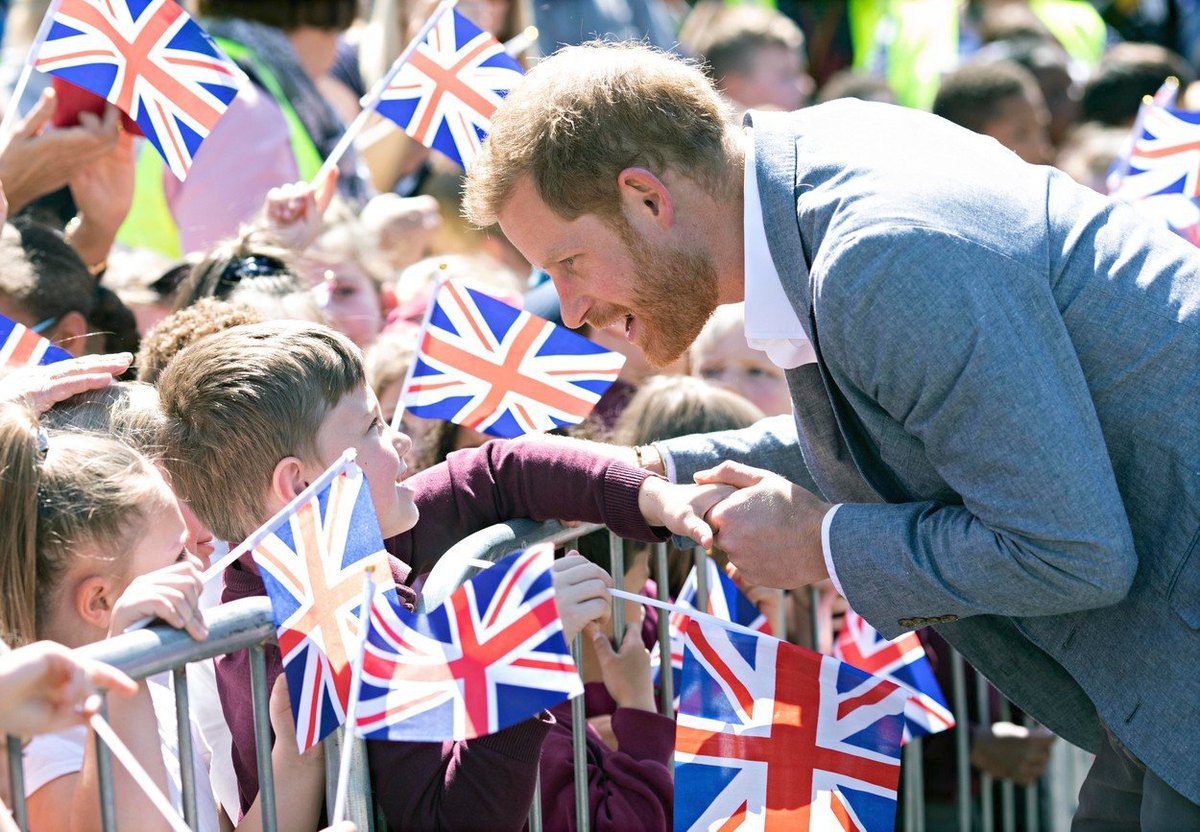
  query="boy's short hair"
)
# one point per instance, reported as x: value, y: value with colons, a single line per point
x: 41, y: 273
x: 735, y: 35
x: 1129, y: 72
x: 180, y: 329
x: 969, y: 96
x: 241, y: 400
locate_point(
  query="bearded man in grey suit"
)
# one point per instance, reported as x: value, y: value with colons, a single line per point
x: 995, y: 375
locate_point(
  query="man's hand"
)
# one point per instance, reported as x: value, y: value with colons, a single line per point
x: 43, y: 386
x: 681, y: 508
x: 43, y: 687
x: 1012, y: 752
x: 769, y: 527
x: 581, y: 593
x: 36, y: 161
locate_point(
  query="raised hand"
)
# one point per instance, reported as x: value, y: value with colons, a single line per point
x: 581, y: 593
x: 43, y: 687
x: 626, y: 673
x: 292, y: 214
x: 769, y: 527
x: 680, y: 507
x: 102, y: 190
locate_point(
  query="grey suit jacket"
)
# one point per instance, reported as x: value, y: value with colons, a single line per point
x: 1006, y: 400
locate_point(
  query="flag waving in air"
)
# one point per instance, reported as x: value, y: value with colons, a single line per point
x: 150, y: 59
x: 725, y: 601
x: 782, y: 738
x: 445, y: 93
x: 312, y: 564
x: 21, y: 346
x: 903, y: 661
x: 493, y: 655
x: 503, y: 371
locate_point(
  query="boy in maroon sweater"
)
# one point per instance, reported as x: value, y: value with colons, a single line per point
x: 256, y: 413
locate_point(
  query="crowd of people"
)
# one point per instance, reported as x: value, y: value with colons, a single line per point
x: 970, y: 427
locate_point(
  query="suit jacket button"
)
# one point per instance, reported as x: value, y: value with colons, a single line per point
x: 947, y: 619
x: 911, y: 623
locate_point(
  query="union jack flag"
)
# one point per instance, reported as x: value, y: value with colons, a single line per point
x: 503, y: 371
x: 312, y: 564
x: 778, y: 737
x: 1159, y: 169
x: 445, y: 93
x: 903, y: 661
x: 493, y: 655
x: 150, y: 59
x: 20, y: 346
x: 725, y: 601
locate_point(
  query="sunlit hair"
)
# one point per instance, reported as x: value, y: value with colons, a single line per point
x: 62, y: 493
x: 588, y: 112
x: 238, y: 402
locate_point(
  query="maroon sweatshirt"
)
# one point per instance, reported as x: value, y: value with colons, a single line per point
x: 487, y: 782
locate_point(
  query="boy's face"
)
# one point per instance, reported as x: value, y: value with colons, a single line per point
x: 1020, y: 125
x: 776, y: 78
x: 357, y: 423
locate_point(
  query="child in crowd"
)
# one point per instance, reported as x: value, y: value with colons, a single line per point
x: 94, y: 541
x: 177, y: 330
x: 345, y: 274
x: 721, y: 356
x: 255, y: 413
x: 1000, y: 99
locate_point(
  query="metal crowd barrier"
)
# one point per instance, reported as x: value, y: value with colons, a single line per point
x: 247, y: 624
x: 239, y: 625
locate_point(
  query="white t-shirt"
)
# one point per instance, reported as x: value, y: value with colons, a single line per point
x: 51, y: 756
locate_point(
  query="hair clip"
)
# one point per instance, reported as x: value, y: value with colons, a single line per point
x: 43, y: 440
x: 250, y: 266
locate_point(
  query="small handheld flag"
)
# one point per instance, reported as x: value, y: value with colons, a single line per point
x: 20, y: 346
x: 493, y: 655
x: 503, y: 371
x: 782, y: 737
x: 725, y: 601
x: 445, y: 93
x: 903, y: 661
x: 151, y: 60
x: 312, y: 562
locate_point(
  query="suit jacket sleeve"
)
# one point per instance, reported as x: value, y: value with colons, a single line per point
x: 770, y: 443
x: 968, y: 352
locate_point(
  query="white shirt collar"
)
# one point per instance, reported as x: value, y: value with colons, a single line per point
x: 772, y: 325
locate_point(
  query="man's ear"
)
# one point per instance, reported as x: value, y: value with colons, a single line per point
x: 287, y: 480
x: 70, y: 333
x: 645, y: 198
x: 93, y: 600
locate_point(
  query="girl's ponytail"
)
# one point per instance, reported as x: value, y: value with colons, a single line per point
x: 22, y: 445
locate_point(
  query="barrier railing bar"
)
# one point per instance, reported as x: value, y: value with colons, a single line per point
x: 666, y: 678
x: 104, y: 776
x: 1033, y: 815
x: 962, y: 738
x: 984, y: 705
x: 914, y: 787
x: 616, y: 555
x: 187, y: 770
x: 1008, y: 789
x: 359, y: 805
x: 535, y: 808
x: 700, y: 558
x: 814, y: 617
x: 583, y: 812
x: 262, y: 736
x: 16, y: 782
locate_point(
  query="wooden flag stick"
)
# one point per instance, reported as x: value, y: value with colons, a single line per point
x: 371, y: 100
x: 139, y: 774
x: 349, y: 733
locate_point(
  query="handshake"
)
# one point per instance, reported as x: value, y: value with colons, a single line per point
x: 769, y: 527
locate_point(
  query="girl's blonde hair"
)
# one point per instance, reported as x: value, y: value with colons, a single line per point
x: 60, y: 491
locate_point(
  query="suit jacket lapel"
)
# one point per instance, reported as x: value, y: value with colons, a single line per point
x: 839, y: 455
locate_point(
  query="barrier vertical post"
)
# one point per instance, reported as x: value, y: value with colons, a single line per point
x: 183, y: 724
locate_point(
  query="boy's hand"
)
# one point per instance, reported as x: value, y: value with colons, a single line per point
x: 626, y: 673
x: 681, y: 508
x: 283, y: 723
x: 581, y: 593
x: 293, y: 213
x: 171, y: 593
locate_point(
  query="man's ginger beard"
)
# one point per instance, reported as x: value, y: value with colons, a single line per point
x: 675, y: 293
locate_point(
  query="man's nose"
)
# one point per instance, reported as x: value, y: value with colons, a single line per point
x: 573, y: 310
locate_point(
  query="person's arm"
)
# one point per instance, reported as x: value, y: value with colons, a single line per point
x: 976, y: 364
x: 769, y: 443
